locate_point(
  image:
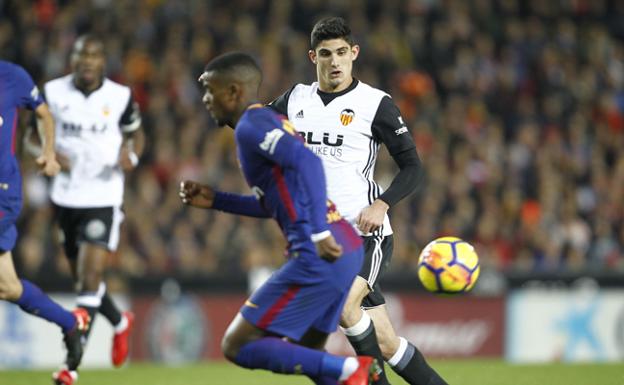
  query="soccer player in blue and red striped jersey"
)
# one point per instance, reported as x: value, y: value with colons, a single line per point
x: 303, y: 300
x: 17, y: 90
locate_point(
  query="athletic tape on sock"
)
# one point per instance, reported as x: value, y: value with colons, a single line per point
x: 407, y: 357
x: 89, y: 300
x: 396, y: 358
x: 348, y: 368
x: 101, y: 290
x: 360, y: 327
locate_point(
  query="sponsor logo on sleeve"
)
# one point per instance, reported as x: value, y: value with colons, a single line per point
x: 270, y: 140
x: 34, y: 93
x: 403, y: 128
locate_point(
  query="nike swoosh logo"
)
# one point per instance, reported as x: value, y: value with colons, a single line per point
x: 251, y: 304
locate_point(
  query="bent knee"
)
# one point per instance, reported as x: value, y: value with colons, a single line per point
x: 10, y: 291
x: 229, y: 348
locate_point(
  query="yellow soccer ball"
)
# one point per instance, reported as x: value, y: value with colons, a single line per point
x: 448, y: 265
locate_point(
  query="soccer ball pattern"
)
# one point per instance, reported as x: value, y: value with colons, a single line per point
x: 448, y: 265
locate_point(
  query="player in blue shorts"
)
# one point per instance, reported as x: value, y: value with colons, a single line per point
x: 17, y: 90
x: 284, y: 325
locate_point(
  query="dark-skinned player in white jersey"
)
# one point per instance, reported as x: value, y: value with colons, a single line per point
x: 98, y: 140
x: 344, y: 121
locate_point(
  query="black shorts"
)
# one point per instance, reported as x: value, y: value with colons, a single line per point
x: 377, y: 257
x: 99, y: 226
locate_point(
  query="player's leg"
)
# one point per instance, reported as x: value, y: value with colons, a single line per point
x: 92, y: 262
x: 316, y: 339
x: 250, y: 347
x: 404, y: 358
x: 355, y: 323
x: 282, y: 307
x: 33, y: 301
x: 29, y: 297
x: 90, y: 235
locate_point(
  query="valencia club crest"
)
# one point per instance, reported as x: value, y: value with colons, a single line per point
x: 346, y: 116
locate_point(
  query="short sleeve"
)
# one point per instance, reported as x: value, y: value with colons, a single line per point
x: 28, y: 95
x: 274, y: 139
x: 280, y: 104
x: 130, y: 120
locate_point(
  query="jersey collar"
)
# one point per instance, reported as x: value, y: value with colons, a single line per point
x: 86, y: 94
x: 327, y: 97
x: 254, y: 106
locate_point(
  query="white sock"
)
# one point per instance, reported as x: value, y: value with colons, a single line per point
x: 350, y: 365
x: 360, y: 327
x: 101, y: 290
x: 396, y: 358
x: 122, y: 325
x: 89, y: 300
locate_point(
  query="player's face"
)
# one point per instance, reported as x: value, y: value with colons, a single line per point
x: 217, y: 98
x: 88, y: 61
x: 334, y: 62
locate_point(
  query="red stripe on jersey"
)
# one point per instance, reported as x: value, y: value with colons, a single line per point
x: 284, y: 194
x: 13, y: 129
x: 278, y: 306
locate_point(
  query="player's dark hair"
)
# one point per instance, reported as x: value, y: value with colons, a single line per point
x: 88, y: 38
x: 239, y: 65
x: 330, y: 28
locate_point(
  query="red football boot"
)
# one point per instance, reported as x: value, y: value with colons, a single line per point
x: 65, y: 376
x: 367, y: 371
x: 121, y: 341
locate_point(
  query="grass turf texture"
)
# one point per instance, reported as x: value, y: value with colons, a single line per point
x: 469, y: 372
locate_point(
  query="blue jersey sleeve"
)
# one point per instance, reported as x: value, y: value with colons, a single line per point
x: 275, y: 139
x: 27, y: 93
x: 246, y: 205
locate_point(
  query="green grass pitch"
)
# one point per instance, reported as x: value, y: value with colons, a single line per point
x: 469, y: 372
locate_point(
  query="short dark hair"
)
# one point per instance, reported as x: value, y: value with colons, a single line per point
x: 88, y: 38
x: 238, y: 65
x: 330, y: 28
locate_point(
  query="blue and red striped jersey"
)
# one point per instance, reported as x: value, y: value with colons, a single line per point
x: 288, y: 182
x: 17, y: 90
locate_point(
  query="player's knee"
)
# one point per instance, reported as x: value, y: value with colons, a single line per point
x: 350, y: 315
x: 229, y: 347
x: 351, y: 311
x: 10, y: 291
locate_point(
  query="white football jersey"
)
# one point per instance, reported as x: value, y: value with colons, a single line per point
x: 89, y: 131
x: 340, y: 128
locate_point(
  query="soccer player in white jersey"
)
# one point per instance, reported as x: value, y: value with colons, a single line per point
x: 98, y: 139
x: 344, y: 121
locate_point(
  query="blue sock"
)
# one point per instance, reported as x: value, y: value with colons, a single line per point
x: 35, y: 302
x: 279, y: 356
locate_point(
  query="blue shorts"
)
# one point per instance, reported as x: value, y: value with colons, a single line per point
x: 306, y: 293
x: 10, y: 207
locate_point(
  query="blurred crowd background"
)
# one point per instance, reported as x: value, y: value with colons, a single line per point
x: 516, y: 108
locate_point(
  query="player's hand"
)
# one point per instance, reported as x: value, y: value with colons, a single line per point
x: 48, y: 164
x: 63, y: 161
x: 196, y: 194
x: 328, y: 249
x: 371, y: 218
x: 128, y: 159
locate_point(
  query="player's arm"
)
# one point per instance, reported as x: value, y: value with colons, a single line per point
x: 389, y: 128
x: 133, y: 137
x: 45, y: 123
x: 31, y: 98
x: 198, y: 195
x: 289, y: 152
